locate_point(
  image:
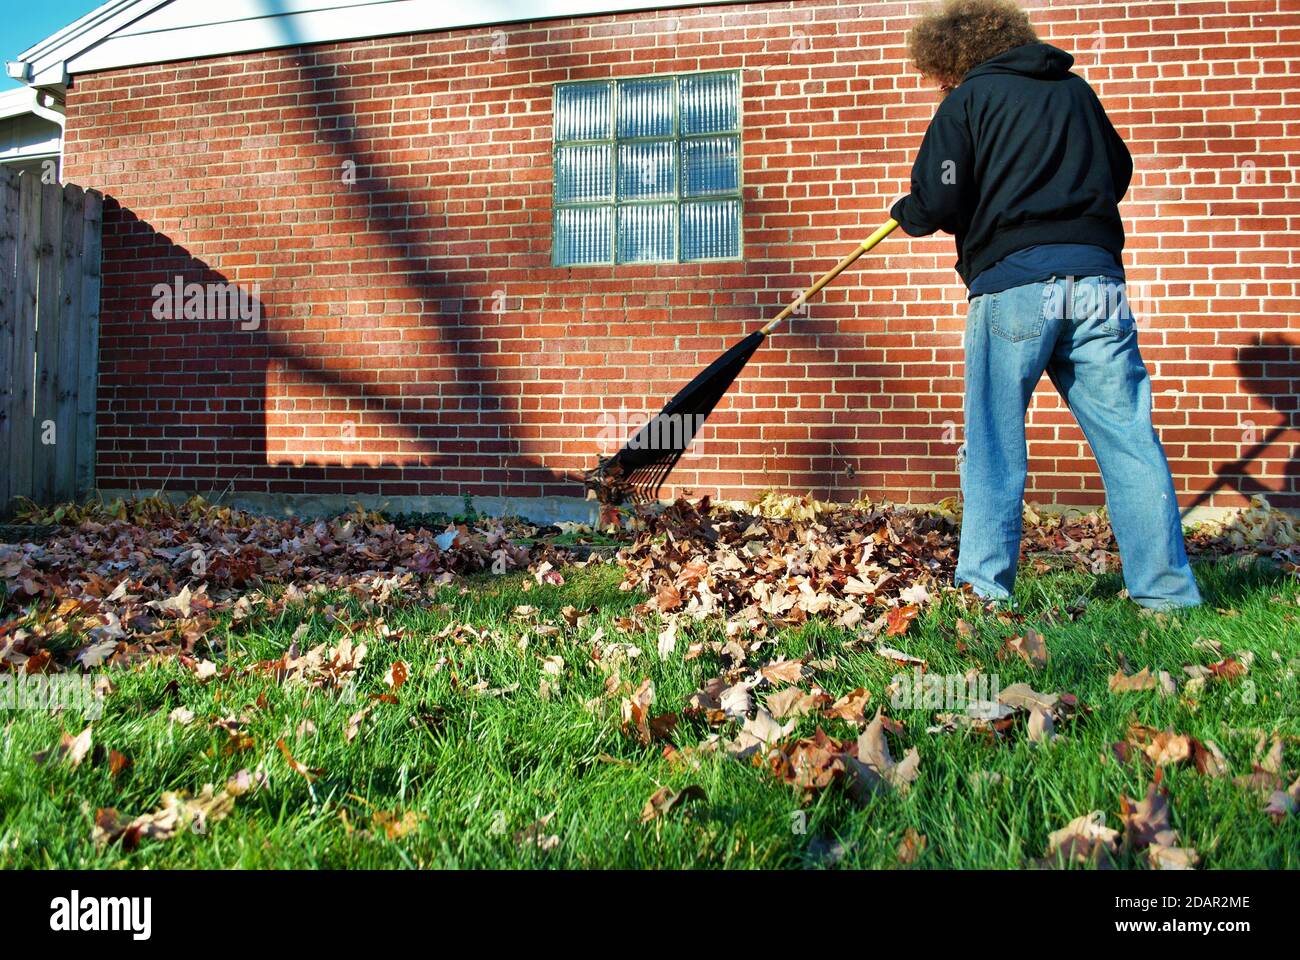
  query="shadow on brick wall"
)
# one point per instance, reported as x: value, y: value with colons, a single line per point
x: 248, y: 397
x: 1270, y: 369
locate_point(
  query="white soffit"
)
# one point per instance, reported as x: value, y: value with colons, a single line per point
x: 126, y: 33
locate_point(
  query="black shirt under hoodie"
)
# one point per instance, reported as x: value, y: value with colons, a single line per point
x: 1020, y: 153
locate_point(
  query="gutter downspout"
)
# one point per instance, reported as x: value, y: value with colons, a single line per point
x: 48, y: 111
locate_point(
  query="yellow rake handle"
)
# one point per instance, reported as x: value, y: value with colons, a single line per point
x: 831, y: 274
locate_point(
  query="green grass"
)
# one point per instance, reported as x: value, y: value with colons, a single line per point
x: 478, y: 769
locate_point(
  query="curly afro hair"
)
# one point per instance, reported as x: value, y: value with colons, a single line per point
x: 953, y: 36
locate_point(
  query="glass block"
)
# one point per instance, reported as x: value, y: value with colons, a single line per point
x: 647, y: 170
x: 584, y: 235
x: 710, y: 166
x: 584, y: 111
x: 710, y: 102
x: 584, y: 173
x: 647, y: 233
x: 645, y: 108
x: 711, y: 230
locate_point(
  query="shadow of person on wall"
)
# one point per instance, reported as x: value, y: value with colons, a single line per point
x: 1270, y: 368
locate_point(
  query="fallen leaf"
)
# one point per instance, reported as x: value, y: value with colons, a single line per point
x: 1031, y: 648
x: 393, y: 825
x: 898, y: 619
x: 875, y: 766
x: 1147, y: 827
x: 1142, y: 680
x: 117, y: 763
x: 396, y: 675
x: 1041, y: 727
x: 535, y: 835
x: 664, y: 800
x: 911, y: 847
x: 72, y: 749
x: 1284, y: 803
x: 1084, y: 839
x: 793, y: 702
x: 851, y: 707
x: 307, y: 772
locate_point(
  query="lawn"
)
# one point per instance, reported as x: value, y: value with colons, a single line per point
x: 506, y: 745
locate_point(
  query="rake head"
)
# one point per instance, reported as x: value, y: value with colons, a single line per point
x: 639, y: 470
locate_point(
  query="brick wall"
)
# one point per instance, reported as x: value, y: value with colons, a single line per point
x: 415, y: 339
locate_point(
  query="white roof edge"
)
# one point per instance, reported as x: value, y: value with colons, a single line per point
x: 24, y: 100
x: 89, y: 44
x: 15, y: 102
x: 47, y: 58
x: 78, y: 27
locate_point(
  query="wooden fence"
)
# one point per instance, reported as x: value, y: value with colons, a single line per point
x: 49, y: 338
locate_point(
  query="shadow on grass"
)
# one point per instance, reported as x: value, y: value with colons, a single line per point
x: 1224, y: 582
x: 1228, y: 581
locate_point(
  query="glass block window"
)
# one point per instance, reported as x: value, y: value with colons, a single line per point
x: 647, y: 170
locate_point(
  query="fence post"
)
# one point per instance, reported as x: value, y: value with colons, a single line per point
x: 24, y: 340
x: 8, y: 325
x: 49, y: 309
x: 88, y: 353
x: 64, y: 414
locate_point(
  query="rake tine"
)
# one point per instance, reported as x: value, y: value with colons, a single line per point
x: 657, y: 476
x: 666, y: 468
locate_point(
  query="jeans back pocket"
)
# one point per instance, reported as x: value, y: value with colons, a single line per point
x: 1021, y: 312
x: 1114, y: 306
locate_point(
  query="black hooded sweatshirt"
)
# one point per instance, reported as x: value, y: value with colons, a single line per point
x: 1020, y: 153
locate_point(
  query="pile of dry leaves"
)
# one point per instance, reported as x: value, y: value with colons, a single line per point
x: 115, y: 589
x: 780, y: 559
x: 852, y: 565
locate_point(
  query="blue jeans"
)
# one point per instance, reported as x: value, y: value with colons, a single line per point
x: 1081, y: 331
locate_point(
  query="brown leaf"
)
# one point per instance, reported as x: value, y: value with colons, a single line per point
x: 1273, y: 760
x: 1146, y: 820
x: 851, y: 707
x: 1167, y: 748
x: 70, y: 748
x: 793, y: 702
x: 308, y: 772
x: 785, y: 671
x: 1041, y: 727
x: 668, y: 598
x: 898, y: 619
x: 1142, y: 680
x: 1031, y: 648
x: 1172, y: 858
x: 1209, y: 759
x: 1021, y: 696
x: 353, y: 728
x: 393, y: 825
x: 875, y: 766
x: 179, y: 811
x: 1228, y: 669
x: 664, y: 800
x: 535, y: 835
x: 1147, y: 826
x: 900, y: 658
x: 1284, y: 803
x: 1084, y: 839
x: 637, y: 721
x: 911, y: 847
x: 117, y: 763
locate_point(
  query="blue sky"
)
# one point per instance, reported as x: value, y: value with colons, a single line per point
x: 26, y: 21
